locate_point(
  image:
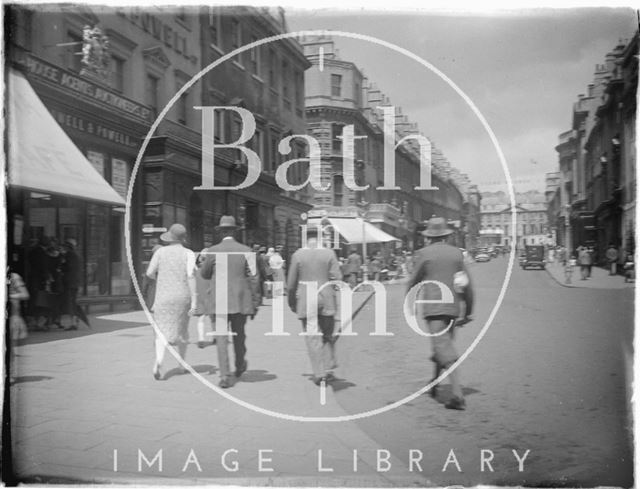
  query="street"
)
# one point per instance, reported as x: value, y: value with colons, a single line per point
x: 548, y: 376
x: 548, y: 380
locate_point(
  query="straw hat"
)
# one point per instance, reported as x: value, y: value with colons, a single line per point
x: 437, y: 227
x: 227, y: 222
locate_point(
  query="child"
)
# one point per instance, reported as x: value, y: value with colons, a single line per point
x: 17, y: 326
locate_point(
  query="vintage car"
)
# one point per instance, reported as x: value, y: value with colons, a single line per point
x: 482, y: 255
x: 533, y: 257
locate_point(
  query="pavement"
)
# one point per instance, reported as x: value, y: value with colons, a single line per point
x: 85, y: 408
x: 600, y: 278
x: 551, y: 375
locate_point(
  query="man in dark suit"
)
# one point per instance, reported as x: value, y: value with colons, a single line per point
x: 243, y: 296
x: 352, y: 267
x: 444, y: 263
x: 319, y: 265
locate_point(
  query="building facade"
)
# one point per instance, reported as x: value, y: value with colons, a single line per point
x: 338, y: 95
x: 531, y: 219
x: 596, y: 201
x: 105, y: 87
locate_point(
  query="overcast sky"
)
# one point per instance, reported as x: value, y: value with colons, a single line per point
x: 522, y: 70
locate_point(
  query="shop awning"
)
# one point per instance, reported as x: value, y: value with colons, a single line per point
x: 41, y: 155
x: 351, y: 229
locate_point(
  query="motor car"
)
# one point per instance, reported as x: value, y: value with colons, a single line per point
x: 534, y: 257
x: 482, y: 256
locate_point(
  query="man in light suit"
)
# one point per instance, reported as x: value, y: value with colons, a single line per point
x: 243, y: 296
x: 319, y: 265
x: 441, y: 262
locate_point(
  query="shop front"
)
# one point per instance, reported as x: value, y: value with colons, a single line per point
x: 70, y: 159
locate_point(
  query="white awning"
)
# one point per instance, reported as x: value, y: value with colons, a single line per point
x: 41, y: 155
x: 352, y: 231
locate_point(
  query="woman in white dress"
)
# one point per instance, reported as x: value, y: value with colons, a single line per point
x: 173, y: 267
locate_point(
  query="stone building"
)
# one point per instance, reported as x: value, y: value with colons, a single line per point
x: 596, y: 202
x: 338, y: 95
x: 102, y: 90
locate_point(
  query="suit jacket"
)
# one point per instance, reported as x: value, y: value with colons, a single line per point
x: 242, y: 286
x: 353, y: 263
x: 440, y: 261
x: 313, y: 265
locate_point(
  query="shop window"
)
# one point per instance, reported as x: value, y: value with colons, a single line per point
x: 181, y: 105
x: 338, y: 190
x: 120, y: 279
x: 273, y: 160
x: 336, y: 85
x: 97, y: 266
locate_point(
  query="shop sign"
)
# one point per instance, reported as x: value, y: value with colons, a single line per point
x: 100, y: 130
x: 74, y: 84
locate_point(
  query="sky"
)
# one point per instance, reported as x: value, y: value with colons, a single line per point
x: 523, y: 70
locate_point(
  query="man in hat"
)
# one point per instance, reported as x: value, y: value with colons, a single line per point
x: 441, y: 262
x: 319, y: 265
x: 243, y: 296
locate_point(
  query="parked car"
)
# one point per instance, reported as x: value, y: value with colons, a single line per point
x: 482, y: 256
x: 534, y: 257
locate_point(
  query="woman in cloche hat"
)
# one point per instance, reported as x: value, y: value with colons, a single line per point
x: 173, y: 266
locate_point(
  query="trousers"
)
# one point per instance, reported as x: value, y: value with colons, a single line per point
x: 237, y: 323
x: 321, y: 348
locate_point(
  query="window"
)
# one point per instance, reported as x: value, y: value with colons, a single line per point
x: 273, y: 63
x: 236, y: 38
x: 336, y: 82
x: 273, y: 161
x: 286, y: 89
x: 151, y: 93
x: 117, y: 73
x: 254, y: 58
x: 181, y: 106
x: 258, y: 145
x: 218, y: 125
x: 299, y: 88
x: 215, y: 26
x: 336, y: 137
x: 338, y: 190
x: 358, y: 95
x: 74, y: 52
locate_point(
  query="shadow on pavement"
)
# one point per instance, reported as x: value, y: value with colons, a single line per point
x: 31, y: 378
x: 444, y: 393
x: 341, y: 384
x: 257, y: 376
x: 201, y: 369
x: 97, y: 326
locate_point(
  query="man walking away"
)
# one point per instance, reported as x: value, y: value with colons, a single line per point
x: 353, y: 267
x: 319, y: 265
x: 243, y: 297
x: 441, y: 262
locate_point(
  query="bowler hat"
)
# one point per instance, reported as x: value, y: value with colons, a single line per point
x: 177, y: 233
x: 227, y: 222
x: 437, y: 227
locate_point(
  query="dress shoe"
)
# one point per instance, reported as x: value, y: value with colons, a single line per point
x: 201, y: 344
x: 319, y: 380
x: 456, y: 403
x: 156, y: 372
x: 224, y: 384
x: 242, y: 369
